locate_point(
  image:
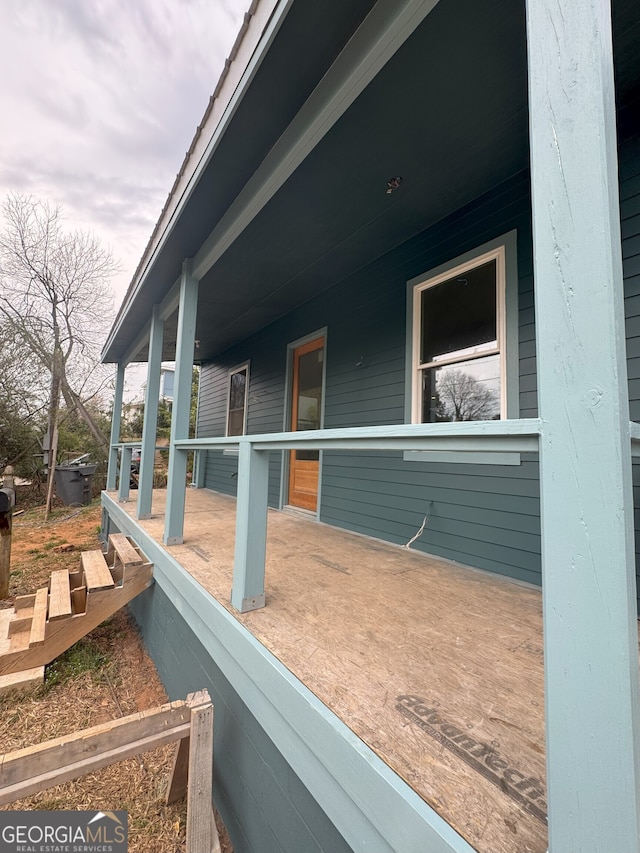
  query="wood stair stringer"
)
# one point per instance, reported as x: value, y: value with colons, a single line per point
x: 46, y: 624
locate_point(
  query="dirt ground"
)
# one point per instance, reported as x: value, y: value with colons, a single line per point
x: 106, y: 675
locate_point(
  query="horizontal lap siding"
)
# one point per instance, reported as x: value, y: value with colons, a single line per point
x: 482, y: 515
x: 630, y: 227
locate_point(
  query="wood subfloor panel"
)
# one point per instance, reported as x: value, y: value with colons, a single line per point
x: 438, y: 668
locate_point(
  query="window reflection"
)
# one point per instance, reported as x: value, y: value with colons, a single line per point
x: 464, y: 391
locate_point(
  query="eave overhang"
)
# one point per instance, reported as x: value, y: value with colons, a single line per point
x: 293, y: 200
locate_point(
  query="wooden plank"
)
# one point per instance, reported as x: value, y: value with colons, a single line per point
x: 96, y: 571
x: 177, y: 787
x: 76, y: 579
x: 79, y: 600
x: 19, y: 624
x: 19, y: 642
x: 202, y: 836
x: 120, y: 545
x: 22, y: 682
x: 35, y: 768
x: 61, y: 634
x: 39, y: 620
x: 59, y: 595
x: 5, y: 621
x: 24, y: 602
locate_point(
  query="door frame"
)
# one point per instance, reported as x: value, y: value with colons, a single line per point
x: 288, y: 402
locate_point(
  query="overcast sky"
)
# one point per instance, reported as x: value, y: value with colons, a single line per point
x: 99, y: 101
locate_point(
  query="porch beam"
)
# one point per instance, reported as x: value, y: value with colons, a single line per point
x: 150, y: 423
x: 171, y: 301
x: 251, y: 529
x: 381, y: 34
x: 589, y: 595
x: 116, y: 422
x: 177, y: 474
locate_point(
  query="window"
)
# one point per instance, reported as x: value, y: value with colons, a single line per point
x: 458, y: 342
x: 237, y: 400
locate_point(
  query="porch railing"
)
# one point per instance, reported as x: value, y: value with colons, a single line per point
x: 253, y: 476
x: 505, y: 436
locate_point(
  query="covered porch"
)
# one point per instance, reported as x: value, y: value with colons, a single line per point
x: 436, y: 667
x: 360, y: 678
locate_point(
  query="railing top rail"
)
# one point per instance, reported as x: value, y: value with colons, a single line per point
x: 507, y: 435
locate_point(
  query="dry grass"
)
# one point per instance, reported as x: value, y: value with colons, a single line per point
x: 106, y: 675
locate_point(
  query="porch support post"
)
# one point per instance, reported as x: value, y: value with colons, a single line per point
x: 589, y: 595
x: 125, y: 474
x: 116, y: 420
x: 150, y: 425
x: 177, y: 476
x: 199, y: 468
x: 251, y: 528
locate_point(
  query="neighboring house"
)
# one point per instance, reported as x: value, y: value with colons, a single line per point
x: 167, y: 373
x: 401, y: 226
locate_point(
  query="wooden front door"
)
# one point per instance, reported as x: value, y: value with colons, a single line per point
x: 306, y: 413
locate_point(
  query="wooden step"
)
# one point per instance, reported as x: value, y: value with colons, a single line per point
x: 5, y: 618
x: 59, y: 595
x: 96, y: 571
x: 62, y: 633
x: 120, y: 547
x: 39, y: 618
x: 19, y: 639
x: 23, y: 604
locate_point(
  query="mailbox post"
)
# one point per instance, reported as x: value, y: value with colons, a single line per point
x: 7, y: 503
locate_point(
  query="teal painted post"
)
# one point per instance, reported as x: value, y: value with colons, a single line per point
x: 199, y: 468
x: 177, y: 476
x: 125, y: 474
x: 150, y: 425
x: 116, y: 420
x: 589, y: 596
x: 251, y: 528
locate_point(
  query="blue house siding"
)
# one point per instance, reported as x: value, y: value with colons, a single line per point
x: 264, y: 805
x: 630, y: 227
x: 482, y: 515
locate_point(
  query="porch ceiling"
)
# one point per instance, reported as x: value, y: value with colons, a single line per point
x: 448, y: 113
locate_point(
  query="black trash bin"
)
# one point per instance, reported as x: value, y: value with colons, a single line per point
x: 73, y: 484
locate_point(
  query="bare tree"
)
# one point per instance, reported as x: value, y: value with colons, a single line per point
x: 56, y: 299
x: 461, y: 397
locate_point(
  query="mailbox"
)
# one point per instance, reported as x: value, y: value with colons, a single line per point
x: 7, y: 500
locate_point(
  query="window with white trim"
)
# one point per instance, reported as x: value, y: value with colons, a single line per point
x: 237, y: 397
x: 458, y: 342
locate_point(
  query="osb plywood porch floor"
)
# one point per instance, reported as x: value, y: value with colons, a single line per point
x: 438, y: 668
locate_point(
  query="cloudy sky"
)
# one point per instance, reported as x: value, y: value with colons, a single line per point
x: 99, y: 101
